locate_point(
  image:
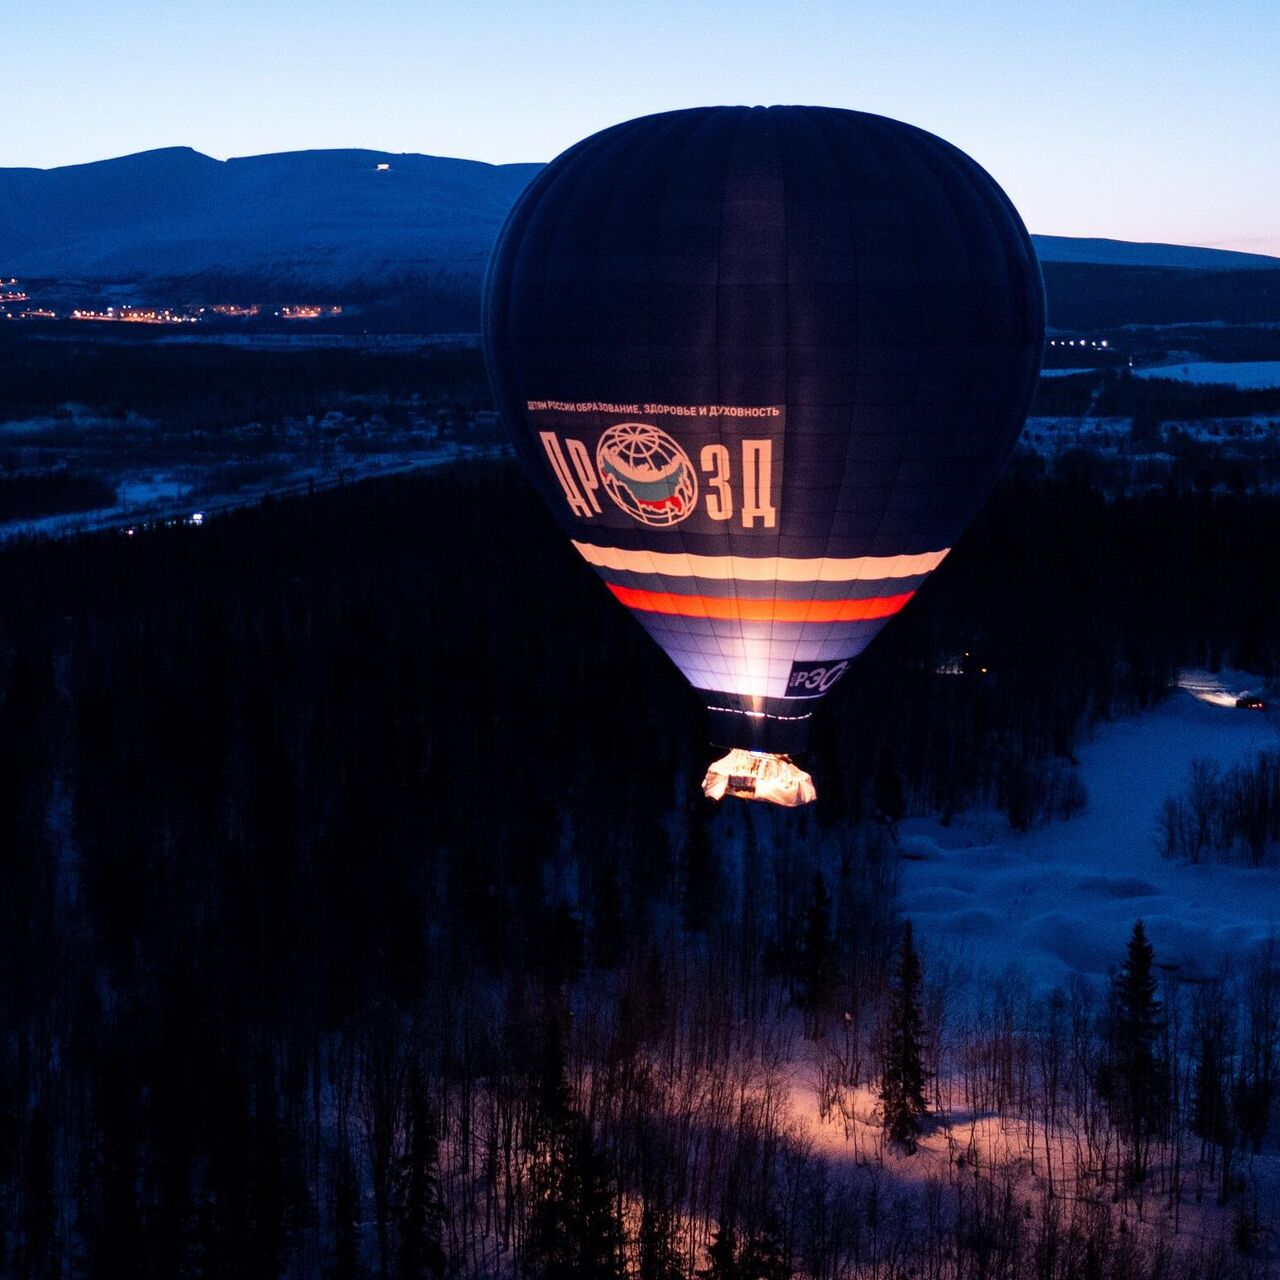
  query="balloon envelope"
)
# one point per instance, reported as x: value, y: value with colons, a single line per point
x: 763, y: 365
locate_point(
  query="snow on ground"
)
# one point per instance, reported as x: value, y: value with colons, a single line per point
x: 1221, y: 688
x: 144, y: 491
x: 1247, y: 374
x: 1258, y: 428
x: 1052, y: 436
x: 1062, y: 899
x: 1145, y: 254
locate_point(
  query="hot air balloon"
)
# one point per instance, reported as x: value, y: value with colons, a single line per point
x: 763, y: 364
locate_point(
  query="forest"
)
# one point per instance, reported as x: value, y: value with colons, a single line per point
x: 134, y: 429
x: 1084, y: 295
x: 207, y: 388
x: 363, y: 918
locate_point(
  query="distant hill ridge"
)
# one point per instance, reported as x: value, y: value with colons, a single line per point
x: 317, y: 217
x: 340, y: 219
x: 1134, y: 253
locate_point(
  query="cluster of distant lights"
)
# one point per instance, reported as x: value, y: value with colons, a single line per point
x: 196, y: 518
x: 135, y: 315
x: 1073, y: 342
x: 10, y: 292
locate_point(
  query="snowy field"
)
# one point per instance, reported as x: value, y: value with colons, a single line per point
x: 1245, y: 374
x: 1051, y: 436
x: 1062, y: 899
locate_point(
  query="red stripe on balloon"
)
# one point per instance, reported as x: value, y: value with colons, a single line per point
x: 733, y: 610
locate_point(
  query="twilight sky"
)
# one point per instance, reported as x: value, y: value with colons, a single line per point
x: 1137, y: 119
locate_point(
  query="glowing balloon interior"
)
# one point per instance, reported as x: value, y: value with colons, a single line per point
x: 763, y: 365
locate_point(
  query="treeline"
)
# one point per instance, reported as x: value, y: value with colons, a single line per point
x: 1084, y: 296
x: 1230, y: 815
x: 362, y: 915
x: 211, y: 387
x: 1079, y: 607
x: 1155, y: 1097
x: 25, y: 495
x: 1117, y: 393
x: 1119, y: 456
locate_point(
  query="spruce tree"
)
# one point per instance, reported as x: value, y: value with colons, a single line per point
x: 903, y: 1079
x: 608, y: 923
x: 763, y: 1257
x: 1135, y: 1080
x: 699, y: 874
x: 722, y: 1256
x: 890, y: 803
x: 813, y: 964
x: 1210, y: 1117
x: 419, y: 1207
x: 346, y: 1215
x: 659, y: 1255
x: 573, y: 1229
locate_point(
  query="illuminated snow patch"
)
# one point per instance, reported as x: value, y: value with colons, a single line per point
x: 1246, y: 374
x: 1219, y: 688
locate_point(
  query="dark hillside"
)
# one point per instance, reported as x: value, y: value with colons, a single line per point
x: 359, y: 834
x: 1090, y: 296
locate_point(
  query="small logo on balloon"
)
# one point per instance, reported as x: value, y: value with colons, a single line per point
x: 813, y: 679
x: 647, y: 473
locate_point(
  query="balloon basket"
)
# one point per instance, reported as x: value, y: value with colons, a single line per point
x: 759, y: 775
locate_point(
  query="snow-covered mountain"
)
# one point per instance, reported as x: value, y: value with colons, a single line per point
x: 1128, y: 253
x: 343, y: 219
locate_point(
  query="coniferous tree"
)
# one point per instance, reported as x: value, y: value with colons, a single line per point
x: 573, y: 1229
x: 419, y: 1208
x: 903, y: 1079
x: 722, y: 1256
x: 608, y: 923
x: 890, y: 803
x: 40, y: 1209
x: 762, y: 1257
x: 659, y: 1256
x: 1210, y: 1118
x: 267, y: 1176
x: 658, y: 1243
x: 1134, y: 1081
x: 1260, y: 1059
x: 699, y: 873
x: 346, y: 1216
x: 813, y: 964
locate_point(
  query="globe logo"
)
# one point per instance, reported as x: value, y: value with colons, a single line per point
x: 646, y: 473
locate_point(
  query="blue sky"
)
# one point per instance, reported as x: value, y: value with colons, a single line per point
x: 1136, y: 119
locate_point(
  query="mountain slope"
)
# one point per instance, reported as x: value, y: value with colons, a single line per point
x: 331, y: 218
x: 1128, y: 253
